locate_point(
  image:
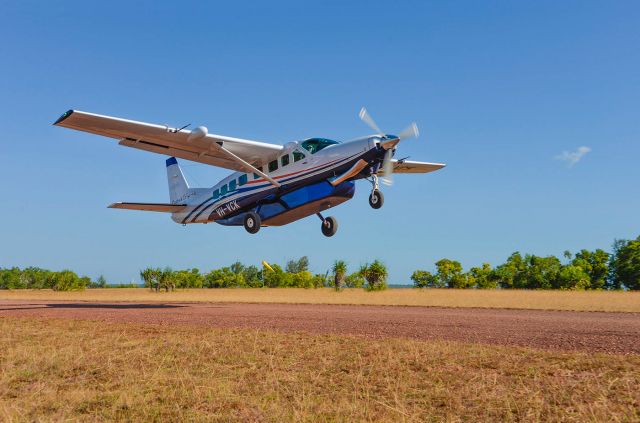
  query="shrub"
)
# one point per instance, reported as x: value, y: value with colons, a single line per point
x: 355, y: 280
x: 376, y: 275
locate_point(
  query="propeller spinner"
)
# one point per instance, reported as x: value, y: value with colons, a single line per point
x: 388, y: 142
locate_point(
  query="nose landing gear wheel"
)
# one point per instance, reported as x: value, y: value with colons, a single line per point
x: 252, y: 222
x: 376, y: 199
x: 329, y: 226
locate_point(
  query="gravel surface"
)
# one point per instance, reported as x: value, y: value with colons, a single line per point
x: 557, y: 330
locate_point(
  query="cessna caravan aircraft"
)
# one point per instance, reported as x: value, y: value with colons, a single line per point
x: 272, y: 184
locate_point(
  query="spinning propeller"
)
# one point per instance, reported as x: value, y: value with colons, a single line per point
x: 388, y: 142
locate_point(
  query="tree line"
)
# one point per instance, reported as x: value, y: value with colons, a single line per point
x: 584, y: 270
x: 37, y: 278
x: 295, y: 274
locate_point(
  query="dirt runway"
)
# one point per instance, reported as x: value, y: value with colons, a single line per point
x: 558, y: 330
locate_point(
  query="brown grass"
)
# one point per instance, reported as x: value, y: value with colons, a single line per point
x: 541, y: 300
x: 89, y: 371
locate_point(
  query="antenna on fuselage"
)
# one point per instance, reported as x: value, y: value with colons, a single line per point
x: 176, y: 130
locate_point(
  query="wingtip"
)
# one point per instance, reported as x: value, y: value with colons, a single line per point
x: 171, y: 161
x: 63, y: 116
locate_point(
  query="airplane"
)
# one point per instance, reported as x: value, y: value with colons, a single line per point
x: 272, y: 185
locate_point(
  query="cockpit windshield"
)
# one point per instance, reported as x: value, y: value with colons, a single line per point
x: 313, y: 145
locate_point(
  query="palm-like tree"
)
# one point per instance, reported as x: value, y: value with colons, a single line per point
x: 339, y: 273
x: 151, y: 278
x: 376, y: 275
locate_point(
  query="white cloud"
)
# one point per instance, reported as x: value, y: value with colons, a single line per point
x: 573, y: 157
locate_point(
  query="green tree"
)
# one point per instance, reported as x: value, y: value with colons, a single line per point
x: 511, y: 274
x: 151, y: 278
x: 275, y: 279
x: 483, y: 277
x: 450, y: 274
x: 296, y: 266
x: 625, y: 265
x: 224, y: 277
x: 320, y: 281
x: 573, y: 277
x: 36, y: 278
x: 302, y: 280
x: 541, y: 272
x: 376, y: 275
x: 188, y: 278
x: 167, y: 280
x: 101, y: 282
x: 252, y: 276
x: 354, y: 280
x: 339, y: 273
x: 11, y: 279
x: 595, y: 264
x: 424, y: 279
x: 67, y: 280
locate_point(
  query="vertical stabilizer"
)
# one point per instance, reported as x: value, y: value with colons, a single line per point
x: 178, y: 186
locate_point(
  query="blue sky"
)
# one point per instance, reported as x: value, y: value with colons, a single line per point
x: 498, y: 89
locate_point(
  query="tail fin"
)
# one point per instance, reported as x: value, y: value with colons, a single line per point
x: 178, y: 186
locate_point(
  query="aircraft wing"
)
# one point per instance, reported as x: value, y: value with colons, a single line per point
x: 156, y: 207
x: 162, y: 139
x: 406, y: 166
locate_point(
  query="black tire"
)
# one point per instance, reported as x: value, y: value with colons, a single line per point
x: 376, y: 199
x: 252, y: 222
x: 329, y: 226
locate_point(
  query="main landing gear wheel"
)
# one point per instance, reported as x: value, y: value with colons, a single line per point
x: 329, y: 226
x: 376, y: 199
x: 252, y: 222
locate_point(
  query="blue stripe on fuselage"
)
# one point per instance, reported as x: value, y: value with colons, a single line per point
x: 206, y: 204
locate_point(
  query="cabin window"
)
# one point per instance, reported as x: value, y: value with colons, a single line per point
x: 232, y: 185
x: 273, y: 166
x: 242, y: 179
x: 216, y: 194
x: 297, y: 156
x: 284, y: 160
x: 313, y: 145
x: 255, y: 175
x: 223, y: 190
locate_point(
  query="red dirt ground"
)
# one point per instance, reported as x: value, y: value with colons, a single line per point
x: 558, y: 330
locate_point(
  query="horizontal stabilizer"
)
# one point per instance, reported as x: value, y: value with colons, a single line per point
x: 155, y: 207
x: 407, y: 166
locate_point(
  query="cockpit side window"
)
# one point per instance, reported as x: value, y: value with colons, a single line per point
x: 297, y: 156
x: 273, y: 165
x: 313, y: 145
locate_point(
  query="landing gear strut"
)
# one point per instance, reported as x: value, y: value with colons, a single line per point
x: 329, y: 225
x: 252, y: 222
x: 376, y: 199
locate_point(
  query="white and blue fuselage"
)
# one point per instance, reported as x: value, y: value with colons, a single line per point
x: 315, y: 175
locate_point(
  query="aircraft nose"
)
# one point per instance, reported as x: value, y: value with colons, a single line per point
x: 389, y: 143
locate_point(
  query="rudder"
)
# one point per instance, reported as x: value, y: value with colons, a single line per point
x: 178, y: 186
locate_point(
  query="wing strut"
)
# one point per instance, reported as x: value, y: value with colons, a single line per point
x: 247, y: 166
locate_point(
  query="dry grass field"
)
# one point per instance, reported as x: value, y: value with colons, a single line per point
x: 538, y: 300
x: 60, y: 370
